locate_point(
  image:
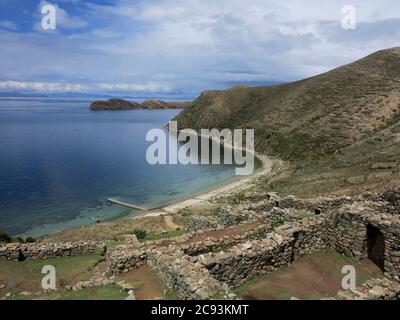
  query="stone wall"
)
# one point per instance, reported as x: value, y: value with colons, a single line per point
x: 196, y: 224
x: 347, y: 233
x: 125, y: 258
x: 250, y: 259
x: 230, y: 216
x: 29, y: 251
x: 212, y: 244
x: 185, y: 276
x: 276, y: 250
x: 309, y: 235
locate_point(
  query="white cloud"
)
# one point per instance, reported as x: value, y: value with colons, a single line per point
x: 192, y: 45
x: 149, y: 87
x: 42, y: 86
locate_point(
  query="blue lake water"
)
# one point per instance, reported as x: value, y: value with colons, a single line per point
x: 59, y: 162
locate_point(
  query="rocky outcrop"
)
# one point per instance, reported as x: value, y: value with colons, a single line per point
x: 120, y: 104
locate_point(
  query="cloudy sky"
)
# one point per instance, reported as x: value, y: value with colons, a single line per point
x: 181, y: 47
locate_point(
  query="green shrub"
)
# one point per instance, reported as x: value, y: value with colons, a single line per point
x: 140, y: 234
x: 29, y: 240
x: 238, y: 197
x: 4, y: 237
x: 393, y: 198
x: 20, y: 240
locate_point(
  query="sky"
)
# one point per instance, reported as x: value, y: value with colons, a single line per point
x: 182, y: 47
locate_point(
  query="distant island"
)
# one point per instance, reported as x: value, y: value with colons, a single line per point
x: 120, y: 104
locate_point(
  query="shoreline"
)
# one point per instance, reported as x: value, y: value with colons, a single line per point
x: 263, y: 165
x: 204, y: 196
x: 235, y: 184
x: 232, y: 185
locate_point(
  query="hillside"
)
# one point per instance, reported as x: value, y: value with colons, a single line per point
x: 120, y: 104
x: 338, y: 131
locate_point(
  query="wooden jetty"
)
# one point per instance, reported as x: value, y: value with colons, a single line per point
x: 128, y: 205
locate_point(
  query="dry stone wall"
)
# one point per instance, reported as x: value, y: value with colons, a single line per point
x: 30, y: 251
x: 250, y: 259
x: 276, y: 250
x: 347, y: 233
x: 309, y: 235
x: 185, y: 276
x: 196, y: 224
x: 125, y: 258
x: 212, y: 244
x: 230, y: 216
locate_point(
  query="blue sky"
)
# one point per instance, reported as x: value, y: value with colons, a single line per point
x: 182, y: 47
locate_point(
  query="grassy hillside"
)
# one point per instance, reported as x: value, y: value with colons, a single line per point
x: 339, y: 131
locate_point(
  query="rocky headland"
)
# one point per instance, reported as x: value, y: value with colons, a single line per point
x: 121, y: 104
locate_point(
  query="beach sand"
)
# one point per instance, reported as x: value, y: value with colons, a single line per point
x: 236, y: 185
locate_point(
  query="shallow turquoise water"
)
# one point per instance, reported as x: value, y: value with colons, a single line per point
x: 59, y: 162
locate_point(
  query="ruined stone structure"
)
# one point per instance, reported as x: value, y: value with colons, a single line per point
x: 282, y: 230
x: 359, y: 227
x: 359, y: 231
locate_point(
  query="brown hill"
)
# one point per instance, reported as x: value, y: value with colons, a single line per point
x: 340, y: 131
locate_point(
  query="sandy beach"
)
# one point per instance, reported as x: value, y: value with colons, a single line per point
x: 230, y: 186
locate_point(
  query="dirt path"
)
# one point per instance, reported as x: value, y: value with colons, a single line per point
x: 169, y: 222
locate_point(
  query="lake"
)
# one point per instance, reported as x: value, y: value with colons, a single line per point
x: 59, y: 162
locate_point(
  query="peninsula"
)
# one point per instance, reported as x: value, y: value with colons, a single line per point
x: 121, y: 104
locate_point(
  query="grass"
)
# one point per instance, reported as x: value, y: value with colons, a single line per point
x: 27, y: 276
x: 112, y: 244
x: 109, y: 230
x: 109, y: 292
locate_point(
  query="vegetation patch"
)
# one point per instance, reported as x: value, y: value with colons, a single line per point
x: 108, y: 292
x: 27, y: 275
